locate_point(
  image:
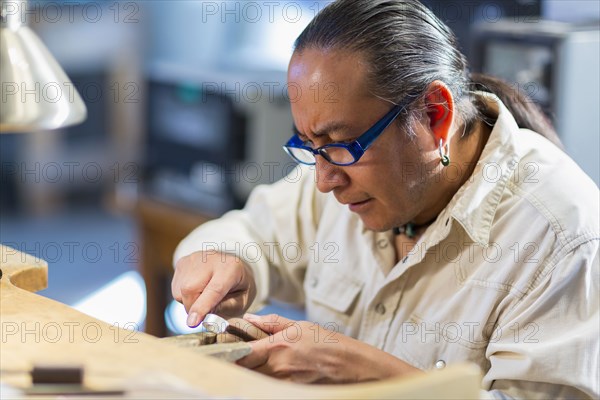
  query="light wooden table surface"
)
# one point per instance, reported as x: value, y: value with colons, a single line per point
x: 37, y: 330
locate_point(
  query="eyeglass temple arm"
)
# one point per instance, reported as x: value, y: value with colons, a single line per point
x: 367, y: 138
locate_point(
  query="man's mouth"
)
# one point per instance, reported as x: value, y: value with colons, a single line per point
x: 359, y: 206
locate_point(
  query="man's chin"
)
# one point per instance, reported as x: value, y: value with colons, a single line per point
x: 375, y: 225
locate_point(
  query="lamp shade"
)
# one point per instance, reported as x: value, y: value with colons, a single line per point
x: 36, y: 93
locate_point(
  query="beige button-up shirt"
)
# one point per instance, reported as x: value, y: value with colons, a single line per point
x: 507, y: 277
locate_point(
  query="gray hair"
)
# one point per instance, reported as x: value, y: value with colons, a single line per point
x: 407, y: 48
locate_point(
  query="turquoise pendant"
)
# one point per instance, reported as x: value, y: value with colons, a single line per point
x: 408, y: 229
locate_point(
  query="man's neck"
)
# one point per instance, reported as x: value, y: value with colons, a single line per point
x: 464, y: 158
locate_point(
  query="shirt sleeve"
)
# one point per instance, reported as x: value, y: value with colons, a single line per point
x: 271, y: 234
x: 547, y: 345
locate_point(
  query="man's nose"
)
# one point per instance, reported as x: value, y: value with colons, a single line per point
x: 328, y: 176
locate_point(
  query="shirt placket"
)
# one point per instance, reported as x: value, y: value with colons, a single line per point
x: 382, y: 310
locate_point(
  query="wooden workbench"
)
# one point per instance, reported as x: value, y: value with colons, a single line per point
x: 38, y: 330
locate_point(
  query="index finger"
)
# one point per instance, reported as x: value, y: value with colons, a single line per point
x: 258, y: 356
x: 212, y: 294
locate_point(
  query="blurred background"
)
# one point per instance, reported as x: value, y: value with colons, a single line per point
x: 187, y: 112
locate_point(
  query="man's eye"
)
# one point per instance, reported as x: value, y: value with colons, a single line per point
x: 306, y: 141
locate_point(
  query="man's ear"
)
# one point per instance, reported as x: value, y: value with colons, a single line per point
x: 439, y: 106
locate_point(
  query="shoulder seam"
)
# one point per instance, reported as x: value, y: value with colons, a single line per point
x: 551, y: 262
x: 557, y: 228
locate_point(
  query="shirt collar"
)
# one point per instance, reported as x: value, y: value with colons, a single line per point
x: 474, y: 205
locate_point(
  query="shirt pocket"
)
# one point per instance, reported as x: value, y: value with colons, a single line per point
x: 331, y: 297
x: 429, y: 343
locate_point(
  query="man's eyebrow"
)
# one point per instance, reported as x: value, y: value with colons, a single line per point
x: 327, y: 130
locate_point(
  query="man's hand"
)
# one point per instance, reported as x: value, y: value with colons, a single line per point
x: 213, y: 282
x: 305, y: 352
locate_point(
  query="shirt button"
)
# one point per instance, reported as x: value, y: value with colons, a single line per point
x: 380, y: 308
x: 440, y: 364
x: 314, y: 282
x: 382, y: 243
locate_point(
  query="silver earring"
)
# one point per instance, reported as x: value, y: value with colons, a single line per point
x: 445, y: 153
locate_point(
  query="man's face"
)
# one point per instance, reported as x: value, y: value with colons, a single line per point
x: 389, y: 185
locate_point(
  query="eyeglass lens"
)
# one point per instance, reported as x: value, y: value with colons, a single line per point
x: 334, y: 154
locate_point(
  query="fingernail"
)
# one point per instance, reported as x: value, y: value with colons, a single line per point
x: 192, y: 320
x: 251, y: 316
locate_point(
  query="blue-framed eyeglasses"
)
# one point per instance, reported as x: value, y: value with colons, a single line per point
x: 340, y: 153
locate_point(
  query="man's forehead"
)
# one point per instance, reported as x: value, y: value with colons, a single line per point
x: 333, y: 73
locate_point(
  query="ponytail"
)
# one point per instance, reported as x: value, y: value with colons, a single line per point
x: 526, y: 112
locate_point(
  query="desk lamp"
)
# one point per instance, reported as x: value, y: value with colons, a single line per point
x: 36, y: 93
